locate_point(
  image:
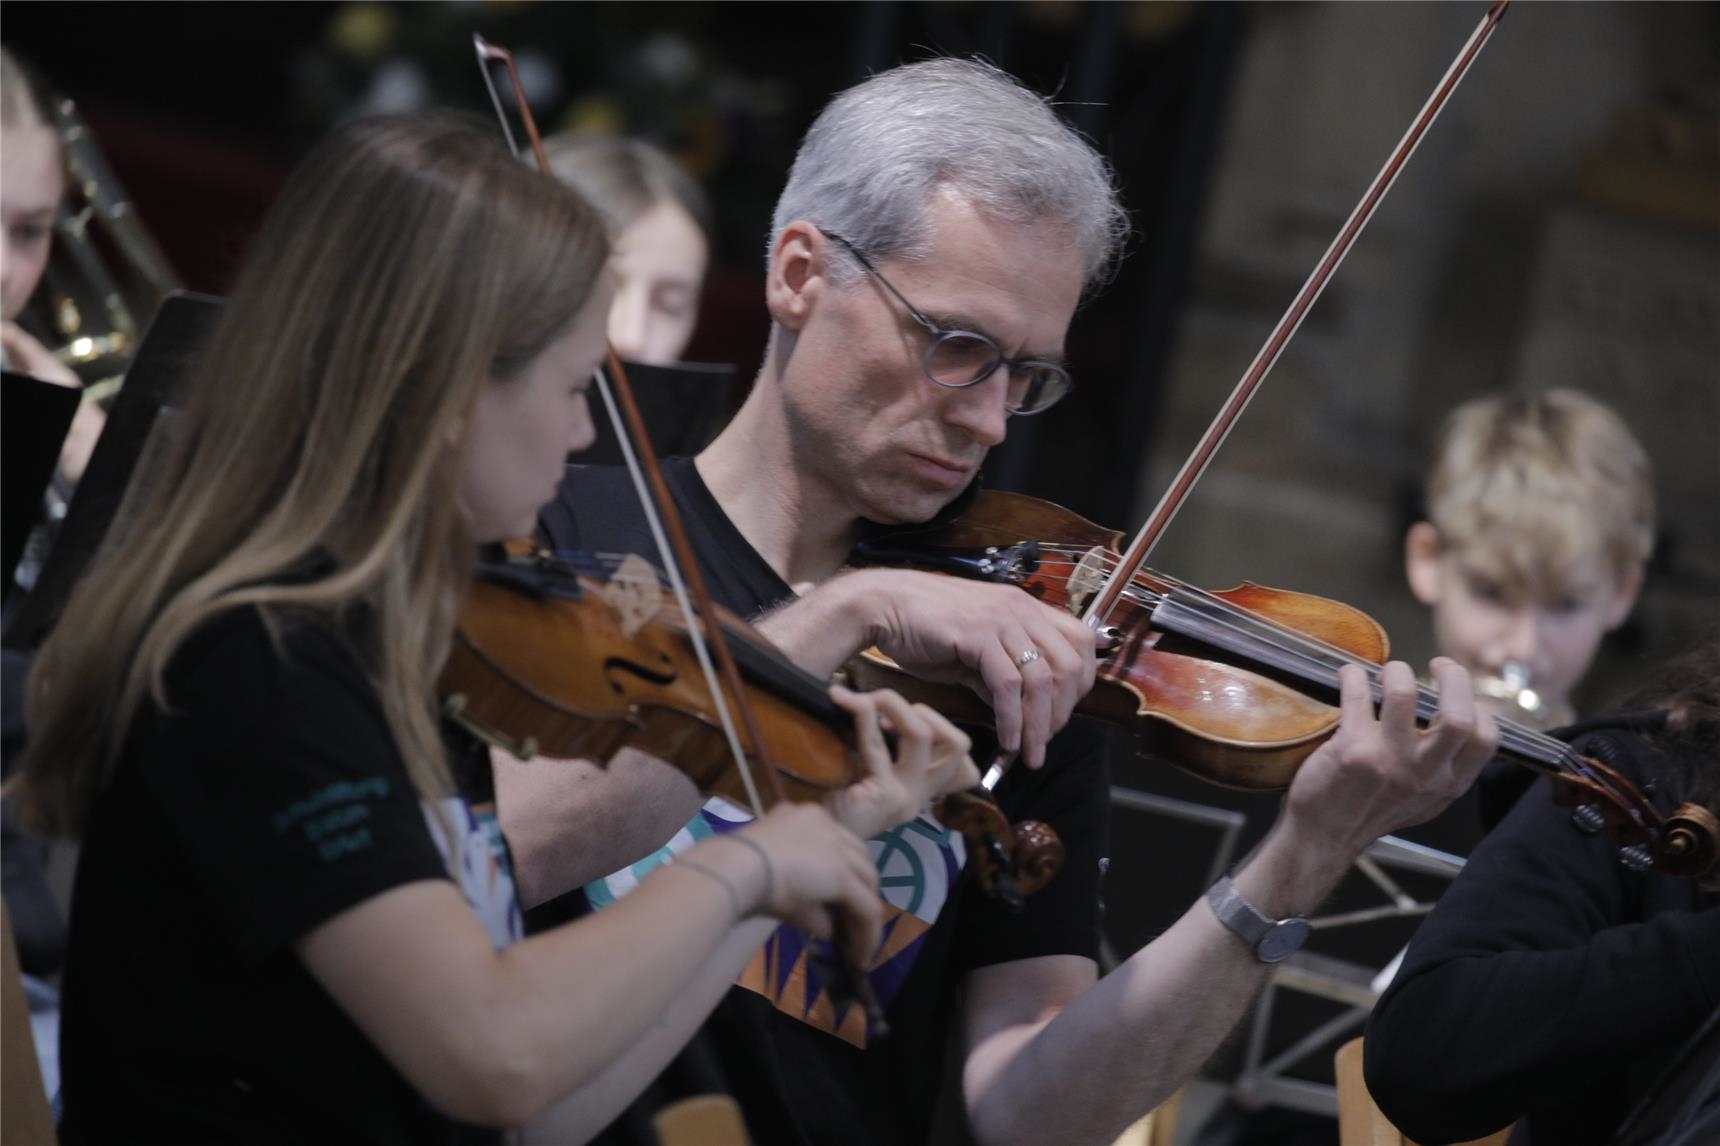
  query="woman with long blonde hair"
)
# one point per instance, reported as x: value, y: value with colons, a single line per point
x: 237, y: 711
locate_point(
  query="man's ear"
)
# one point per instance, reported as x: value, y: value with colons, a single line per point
x: 1421, y: 562
x: 795, y: 276
x: 1624, y: 597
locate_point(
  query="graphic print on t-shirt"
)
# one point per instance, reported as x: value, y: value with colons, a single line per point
x: 479, y: 865
x: 918, y: 864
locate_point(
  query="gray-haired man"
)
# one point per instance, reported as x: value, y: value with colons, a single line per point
x: 938, y: 230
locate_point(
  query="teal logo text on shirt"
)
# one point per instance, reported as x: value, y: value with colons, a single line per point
x: 334, y: 818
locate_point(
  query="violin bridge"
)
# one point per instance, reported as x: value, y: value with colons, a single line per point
x: 1087, y: 579
x: 634, y: 593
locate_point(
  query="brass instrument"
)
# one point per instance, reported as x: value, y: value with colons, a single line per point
x: 105, y: 279
x: 1512, y: 687
x: 106, y: 275
x: 1518, y: 700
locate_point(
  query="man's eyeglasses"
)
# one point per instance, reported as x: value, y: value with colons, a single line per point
x: 958, y: 358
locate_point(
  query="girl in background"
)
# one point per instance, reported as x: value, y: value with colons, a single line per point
x: 660, y: 229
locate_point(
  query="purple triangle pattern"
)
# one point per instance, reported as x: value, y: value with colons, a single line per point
x: 788, y: 948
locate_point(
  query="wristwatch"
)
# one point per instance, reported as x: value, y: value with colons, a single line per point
x: 1271, y: 940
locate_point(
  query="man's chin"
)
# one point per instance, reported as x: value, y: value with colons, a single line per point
x: 906, y: 504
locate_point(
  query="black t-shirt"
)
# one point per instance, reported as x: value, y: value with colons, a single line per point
x: 801, y: 1072
x: 268, y: 799
x: 1550, y: 983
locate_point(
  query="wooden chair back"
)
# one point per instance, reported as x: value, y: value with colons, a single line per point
x: 704, y: 1120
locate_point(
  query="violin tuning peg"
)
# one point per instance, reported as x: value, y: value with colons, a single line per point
x: 1636, y: 858
x: 1588, y: 819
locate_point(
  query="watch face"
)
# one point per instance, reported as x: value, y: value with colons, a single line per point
x: 1284, y: 939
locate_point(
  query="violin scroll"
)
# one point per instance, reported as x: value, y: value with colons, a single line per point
x: 1690, y: 841
x: 1038, y: 854
x: 1012, y: 861
x: 1684, y: 844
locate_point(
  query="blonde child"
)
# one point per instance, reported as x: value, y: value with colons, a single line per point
x: 1540, y: 518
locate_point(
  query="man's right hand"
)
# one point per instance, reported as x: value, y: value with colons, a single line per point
x: 1032, y: 663
x: 948, y: 629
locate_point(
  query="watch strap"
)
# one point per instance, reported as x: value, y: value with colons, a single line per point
x: 1270, y: 939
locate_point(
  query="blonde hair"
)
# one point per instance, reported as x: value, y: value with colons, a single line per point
x: 1526, y: 486
x: 407, y: 261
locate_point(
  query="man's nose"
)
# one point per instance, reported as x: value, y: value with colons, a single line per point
x: 981, y: 409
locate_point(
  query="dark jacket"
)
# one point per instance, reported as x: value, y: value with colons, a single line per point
x: 1551, y: 984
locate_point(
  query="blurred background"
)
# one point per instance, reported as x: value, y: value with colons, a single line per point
x: 1559, y: 226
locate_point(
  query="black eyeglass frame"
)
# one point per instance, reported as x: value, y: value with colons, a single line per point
x: 940, y: 335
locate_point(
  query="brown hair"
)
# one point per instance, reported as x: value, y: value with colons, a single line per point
x: 408, y: 261
x: 1688, y: 688
x: 1525, y: 485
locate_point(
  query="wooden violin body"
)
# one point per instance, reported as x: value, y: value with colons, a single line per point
x: 547, y: 662
x: 552, y: 670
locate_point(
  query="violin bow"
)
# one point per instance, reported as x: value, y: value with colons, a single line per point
x: 660, y: 511
x: 1135, y: 558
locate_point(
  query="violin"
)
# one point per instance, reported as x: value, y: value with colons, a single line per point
x: 1237, y: 686
x: 549, y: 661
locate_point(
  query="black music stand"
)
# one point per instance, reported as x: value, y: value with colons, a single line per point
x: 174, y: 335
x: 683, y: 405
x: 34, y: 419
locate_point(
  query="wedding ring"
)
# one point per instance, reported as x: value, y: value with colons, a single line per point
x: 1027, y: 657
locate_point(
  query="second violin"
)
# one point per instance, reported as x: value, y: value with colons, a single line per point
x: 551, y: 662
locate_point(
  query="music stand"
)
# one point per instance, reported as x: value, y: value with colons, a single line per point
x: 34, y: 419
x: 173, y: 336
x: 683, y: 405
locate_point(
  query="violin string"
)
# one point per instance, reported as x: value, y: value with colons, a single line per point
x: 1540, y: 752
x: 1323, y: 657
x: 1536, y: 747
x: 1313, y: 653
x: 1278, y: 632
x: 1564, y: 762
x: 1515, y: 738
